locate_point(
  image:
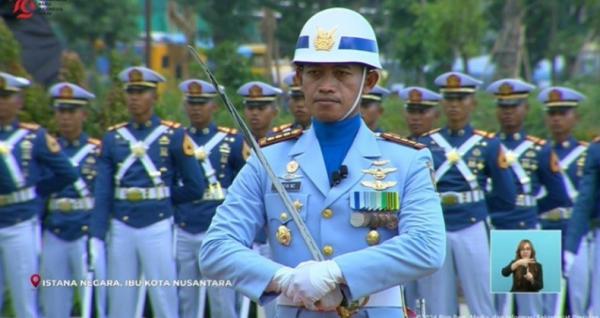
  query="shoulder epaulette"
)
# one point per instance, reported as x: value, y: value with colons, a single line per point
x: 584, y: 143
x: 536, y: 140
x: 433, y: 131
x: 484, y: 133
x: 94, y: 141
x: 288, y: 135
x: 402, y: 141
x: 597, y: 139
x: 227, y: 130
x: 281, y: 128
x: 170, y: 123
x: 117, y: 126
x: 29, y: 126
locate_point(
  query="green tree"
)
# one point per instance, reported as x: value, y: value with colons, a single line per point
x: 86, y: 23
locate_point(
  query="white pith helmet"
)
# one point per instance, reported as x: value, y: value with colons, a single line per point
x: 337, y: 35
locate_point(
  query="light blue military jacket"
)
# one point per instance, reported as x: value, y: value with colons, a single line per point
x: 411, y: 236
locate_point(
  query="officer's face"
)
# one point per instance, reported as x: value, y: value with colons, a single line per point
x: 140, y: 100
x: 561, y: 120
x: 299, y: 110
x: 10, y: 104
x: 260, y: 116
x: 512, y: 117
x: 331, y: 89
x: 371, y: 112
x: 420, y: 119
x: 200, y: 114
x: 69, y: 120
x: 458, y: 108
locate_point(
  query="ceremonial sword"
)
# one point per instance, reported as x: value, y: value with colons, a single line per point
x: 344, y: 311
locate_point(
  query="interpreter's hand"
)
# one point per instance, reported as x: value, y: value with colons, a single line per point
x: 529, y: 276
x: 311, y: 281
x: 331, y: 300
x: 525, y: 261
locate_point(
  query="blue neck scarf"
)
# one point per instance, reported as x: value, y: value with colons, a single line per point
x: 335, y: 140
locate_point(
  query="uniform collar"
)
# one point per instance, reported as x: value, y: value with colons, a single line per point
x: 82, y: 140
x: 11, y: 127
x: 465, y: 131
x: 516, y: 136
x: 204, y: 131
x: 152, y: 122
x: 570, y: 142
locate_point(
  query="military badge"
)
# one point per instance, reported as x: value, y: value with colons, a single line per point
x: 52, y: 144
x: 324, y: 40
x: 188, y: 147
x: 379, y: 173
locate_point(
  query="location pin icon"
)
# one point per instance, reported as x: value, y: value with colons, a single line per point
x: 35, y: 280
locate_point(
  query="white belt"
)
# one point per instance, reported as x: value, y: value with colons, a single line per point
x: 139, y: 194
x: 452, y: 198
x: 526, y: 200
x: 19, y: 196
x: 557, y: 214
x: 390, y: 297
x: 70, y: 204
x: 212, y: 194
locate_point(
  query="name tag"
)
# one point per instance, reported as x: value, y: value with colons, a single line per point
x: 290, y: 186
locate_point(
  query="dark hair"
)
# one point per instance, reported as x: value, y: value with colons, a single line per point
x: 532, y: 268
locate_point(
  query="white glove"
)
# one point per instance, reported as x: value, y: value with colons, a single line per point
x: 331, y: 300
x: 96, y: 248
x: 311, y: 281
x: 568, y: 259
x: 280, y: 280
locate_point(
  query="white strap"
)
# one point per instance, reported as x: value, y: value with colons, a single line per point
x: 522, y: 175
x: 564, y: 166
x: 460, y: 164
x: 209, y: 171
x: 82, y: 153
x: 145, y: 159
x: 9, y: 158
x: 80, y: 185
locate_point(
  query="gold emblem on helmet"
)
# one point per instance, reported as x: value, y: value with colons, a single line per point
x: 324, y: 40
x: 415, y: 96
x: 453, y: 81
x: 255, y: 91
x: 555, y: 96
x: 506, y: 89
x: 66, y: 92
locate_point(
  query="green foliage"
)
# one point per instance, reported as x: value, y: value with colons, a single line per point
x: 72, y: 69
x: 83, y: 22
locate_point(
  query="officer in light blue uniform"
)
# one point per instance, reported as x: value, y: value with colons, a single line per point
x: 260, y: 108
x: 420, y: 109
x: 67, y: 217
x: 296, y: 104
x: 367, y: 201
x: 560, y: 104
x: 371, y: 107
x: 27, y: 152
x: 534, y: 165
x: 586, y: 216
x: 465, y: 158
x: 221, y: 152
x: 135, y: 192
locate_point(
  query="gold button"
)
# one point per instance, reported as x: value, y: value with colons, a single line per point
x: 84, y: 228
x: 373, y: 237
x: 327, y: 213
x: 473, y: 220
x: 298, y: 205
x: 284, y: 217
x: 56, y: 231
x: 327, y: 250
x: 182, y: 224
x: 522, y: 224
x: 125, y: 218
x: 161, y: 215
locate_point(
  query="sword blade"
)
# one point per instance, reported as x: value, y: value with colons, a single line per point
x: 287, y: 202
